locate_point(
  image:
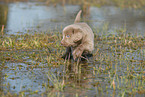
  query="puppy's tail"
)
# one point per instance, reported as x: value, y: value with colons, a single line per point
x: 78, y: 17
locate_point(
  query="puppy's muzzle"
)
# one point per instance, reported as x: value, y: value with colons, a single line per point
x: 62, y: 42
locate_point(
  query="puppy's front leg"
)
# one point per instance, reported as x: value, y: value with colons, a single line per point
x: 78, y: 51
x: 68, y: 53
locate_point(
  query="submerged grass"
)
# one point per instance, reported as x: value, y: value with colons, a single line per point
x: 117, y: 67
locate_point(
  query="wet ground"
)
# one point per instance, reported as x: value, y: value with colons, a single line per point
x: 96, y: 75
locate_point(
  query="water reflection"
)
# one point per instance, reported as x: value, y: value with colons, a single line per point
x: 38, y: 17
x: 3, y: 15
x: 29, y: 16
x: 21, y: 77
x: 133, y: 20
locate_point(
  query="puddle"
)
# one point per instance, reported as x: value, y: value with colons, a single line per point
x: 20, y: 77
x: 31, y: 17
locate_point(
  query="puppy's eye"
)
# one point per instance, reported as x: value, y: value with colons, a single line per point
x: 67, y: 36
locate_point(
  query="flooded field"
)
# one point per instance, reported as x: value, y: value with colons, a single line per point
x: 31, y: 63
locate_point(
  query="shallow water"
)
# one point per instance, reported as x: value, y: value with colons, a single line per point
x: 31, y: 17
x: 22, y: 17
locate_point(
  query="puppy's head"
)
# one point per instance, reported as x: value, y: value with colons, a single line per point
x: 72, y: 36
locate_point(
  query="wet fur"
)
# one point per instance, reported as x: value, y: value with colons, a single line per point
x: 78, y: 38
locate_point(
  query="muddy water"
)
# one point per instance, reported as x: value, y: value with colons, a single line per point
x: 22, y: 17
x: 33, y: 17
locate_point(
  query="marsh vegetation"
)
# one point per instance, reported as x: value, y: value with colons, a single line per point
x: 31, y: 63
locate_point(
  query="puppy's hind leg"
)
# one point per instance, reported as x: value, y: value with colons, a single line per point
x: 86, y: 55
x: 68, y: 53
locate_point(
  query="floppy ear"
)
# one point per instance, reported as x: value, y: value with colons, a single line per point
x: 78, y: 35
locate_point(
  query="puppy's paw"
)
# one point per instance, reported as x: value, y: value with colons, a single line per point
x: 77, y: 53
x: 67, y: 56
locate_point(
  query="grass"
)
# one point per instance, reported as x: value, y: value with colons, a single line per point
x: 117, y: 68
x: 119, y: 3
